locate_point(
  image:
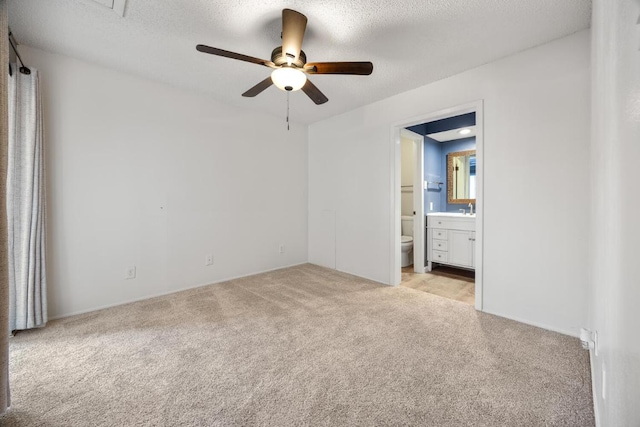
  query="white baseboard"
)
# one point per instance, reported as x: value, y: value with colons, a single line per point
x: 146, y: 297
x: 365, y: 277
x: 355, y: 275
x: 574, y: 334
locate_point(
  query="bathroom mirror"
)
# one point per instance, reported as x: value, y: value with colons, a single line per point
x: 461, y: 177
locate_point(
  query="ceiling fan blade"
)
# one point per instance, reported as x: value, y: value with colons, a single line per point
x: 314, y: 93
x: 355, y: 68
x: 294, y: 25
x: 233, y: 55
x: 257, y: 89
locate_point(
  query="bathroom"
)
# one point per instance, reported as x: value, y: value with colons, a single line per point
x: 449, y: 190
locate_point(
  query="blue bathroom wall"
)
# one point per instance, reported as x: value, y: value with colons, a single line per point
x: 446, y: 148
x: 433, y: 173
x: 435, y: 158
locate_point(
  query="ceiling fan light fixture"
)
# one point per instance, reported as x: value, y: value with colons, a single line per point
x: 288, y: 78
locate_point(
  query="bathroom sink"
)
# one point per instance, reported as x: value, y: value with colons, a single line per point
x: 452, y: 214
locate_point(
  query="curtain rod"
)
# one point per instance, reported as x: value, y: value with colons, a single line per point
x: 23, y: 69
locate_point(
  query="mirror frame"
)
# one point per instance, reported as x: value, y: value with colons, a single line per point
x: 450, y: 199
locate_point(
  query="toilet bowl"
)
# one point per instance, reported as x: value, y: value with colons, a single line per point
x: 406, y: 242
x: 406, y: 254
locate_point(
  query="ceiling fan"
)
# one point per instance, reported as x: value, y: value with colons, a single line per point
x: 289, y: 62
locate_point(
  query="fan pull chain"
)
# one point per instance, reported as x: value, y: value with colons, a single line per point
x: 288, y: 110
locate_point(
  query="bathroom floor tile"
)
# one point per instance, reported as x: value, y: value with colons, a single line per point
x: 452, y: 283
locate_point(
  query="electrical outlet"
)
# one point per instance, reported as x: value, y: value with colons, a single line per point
x: 208, y: 260
x: 281, y: 249
x: 430, y: 206
x: 130, y: 273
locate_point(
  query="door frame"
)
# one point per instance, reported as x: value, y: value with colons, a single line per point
x: 419, y: 246
x: 394, y: 179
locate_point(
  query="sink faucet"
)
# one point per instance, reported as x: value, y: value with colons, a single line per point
x: 470, y: 208
x: 462, y: 211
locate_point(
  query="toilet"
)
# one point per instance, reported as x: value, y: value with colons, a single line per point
x: 406, y: 245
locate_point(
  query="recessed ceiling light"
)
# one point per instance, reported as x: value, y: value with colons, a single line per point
x: 464, y: 131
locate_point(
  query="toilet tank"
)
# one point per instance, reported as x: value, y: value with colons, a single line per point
x: 407, y: 225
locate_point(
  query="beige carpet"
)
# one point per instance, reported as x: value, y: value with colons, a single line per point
x: 299, y: 346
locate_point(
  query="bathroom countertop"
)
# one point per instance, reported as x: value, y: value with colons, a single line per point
x: 451, y: 214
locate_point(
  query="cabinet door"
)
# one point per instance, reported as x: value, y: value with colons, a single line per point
x: 461, y: 248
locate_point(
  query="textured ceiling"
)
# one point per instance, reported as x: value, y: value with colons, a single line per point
x: 410, y: 42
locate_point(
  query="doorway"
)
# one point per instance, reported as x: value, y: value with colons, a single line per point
x: 432, y: 200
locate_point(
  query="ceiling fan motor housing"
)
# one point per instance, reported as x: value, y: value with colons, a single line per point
x: 278, y: 58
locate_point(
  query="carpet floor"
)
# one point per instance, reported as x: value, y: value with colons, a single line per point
x: 298, y: 346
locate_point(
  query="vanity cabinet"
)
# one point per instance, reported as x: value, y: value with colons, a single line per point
x: 451, y: 240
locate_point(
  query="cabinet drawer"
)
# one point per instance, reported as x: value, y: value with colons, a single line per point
x: 439, y: 256
x: 439, y: 245
x: 439, y: 234
x: 437, y: 222
x: 451, y: 223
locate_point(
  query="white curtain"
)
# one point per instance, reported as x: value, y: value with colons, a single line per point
x: 5, y: 398
x: 26, y: 203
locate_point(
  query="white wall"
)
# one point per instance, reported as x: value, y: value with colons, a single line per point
x: 144, y: 174
x: 536, y: 110
x: 615, y: 230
